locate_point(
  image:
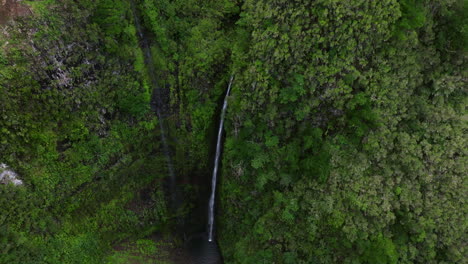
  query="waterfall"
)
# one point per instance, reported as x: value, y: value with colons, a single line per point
x: 157, y: 95
x: 216, y: 164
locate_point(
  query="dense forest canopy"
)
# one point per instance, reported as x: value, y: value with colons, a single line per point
x: 345, y: 135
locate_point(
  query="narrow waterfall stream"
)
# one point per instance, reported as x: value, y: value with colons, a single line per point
x: 202, y: 247
x: 211, y: 205
x: 157, y: 101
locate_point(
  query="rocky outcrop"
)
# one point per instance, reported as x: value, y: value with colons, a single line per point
x: 8, y: 176
x: 10, y: 9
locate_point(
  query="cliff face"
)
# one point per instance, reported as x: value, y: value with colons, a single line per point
x: 12, y: 8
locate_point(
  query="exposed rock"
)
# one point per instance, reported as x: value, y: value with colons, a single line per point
x: 8, y: 176
x: 12, y: 8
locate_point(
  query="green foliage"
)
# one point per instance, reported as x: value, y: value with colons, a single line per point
x: 452, y: 28
x: 335, y: 113
x: 379, y: 250
x: 344, y: 133
x: 75, y: 126
x: 141, y: 251
x: 413, y: 14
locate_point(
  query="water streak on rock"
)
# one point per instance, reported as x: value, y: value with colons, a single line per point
x: 157, y: 100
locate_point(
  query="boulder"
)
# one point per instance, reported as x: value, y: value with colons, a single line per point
x: 8, y: 176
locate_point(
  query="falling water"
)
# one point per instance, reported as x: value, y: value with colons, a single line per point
x: 157, y: 95
x: 216, y: 164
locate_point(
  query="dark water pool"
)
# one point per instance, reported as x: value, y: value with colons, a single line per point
x: 203, y: 252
